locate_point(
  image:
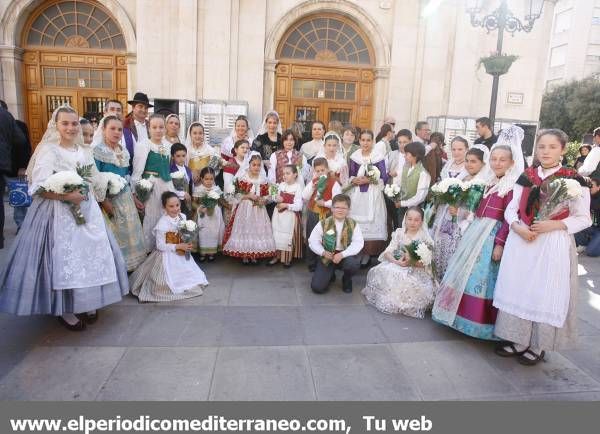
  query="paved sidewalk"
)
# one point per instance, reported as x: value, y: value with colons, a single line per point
x: 258, y: 333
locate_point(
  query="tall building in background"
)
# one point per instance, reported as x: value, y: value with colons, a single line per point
x: 575, y: 45
x: 355, y: 61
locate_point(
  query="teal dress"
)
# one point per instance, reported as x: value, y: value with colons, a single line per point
x: 125, y: 222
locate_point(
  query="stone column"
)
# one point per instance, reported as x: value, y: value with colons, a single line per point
x: 380, y: 97
x: 269, y: 85
x: 11, y: 74
x: 131, y: 59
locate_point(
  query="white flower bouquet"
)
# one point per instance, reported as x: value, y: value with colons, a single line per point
x: 448, y: 191
x: 188, y: 231
x: 472, y: 193
x: 66, y: 182
x: 393, y: 191
x: 216, y: 162
x: 372, y: 173
x: 557, y: 193
x: 143, y: 188
x: 419, y: 251
x: 209, y: 200
x: 179, y: 180
x: 115, y: 184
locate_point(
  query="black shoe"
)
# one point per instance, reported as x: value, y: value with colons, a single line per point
x: 312, y: 268
x: 89, y: 318
x: 347, y: 284
x: 79, y: 327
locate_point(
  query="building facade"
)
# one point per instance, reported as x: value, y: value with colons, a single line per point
x: 575, y: 43
x: 351, y: 60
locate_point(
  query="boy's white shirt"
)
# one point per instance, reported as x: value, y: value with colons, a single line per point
x: 315, y: 241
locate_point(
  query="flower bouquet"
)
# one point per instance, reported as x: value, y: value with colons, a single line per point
x: 216, y: 162
x: 448, y: 191
x: 373, y: 173
x: 209, y: 200
x: 472, y: 193
x: 179, y: 181
x: 418, y: 251
x: 67, y: 182
x: 273, y: 191
x: 188, y: 230
x: 143, y: 188
x: 85, y: 171
x: 115, y: 184
x: 393, y: 191
x: 321, y: 185
x: 329, y: 242
x: 557, y: 193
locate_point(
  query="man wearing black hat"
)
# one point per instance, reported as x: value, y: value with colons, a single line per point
x: 135, y: 125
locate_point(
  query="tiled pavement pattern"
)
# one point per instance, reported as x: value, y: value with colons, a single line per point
x: 258, y: 333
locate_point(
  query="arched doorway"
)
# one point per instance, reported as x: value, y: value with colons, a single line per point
x: 74, y: 54
x: 325, y: 72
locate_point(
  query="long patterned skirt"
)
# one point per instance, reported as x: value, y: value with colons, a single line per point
x: 127, y: 228
x: 248, y: 234
x: 465, y: 297
x: 210, y: 236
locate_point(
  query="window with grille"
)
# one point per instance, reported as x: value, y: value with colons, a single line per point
x: 326, y: 39
x: 76, y: 77
x: 324, y: 90
x: 75, y: 24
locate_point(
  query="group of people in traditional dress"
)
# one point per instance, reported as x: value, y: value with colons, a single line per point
x: 340, y: 200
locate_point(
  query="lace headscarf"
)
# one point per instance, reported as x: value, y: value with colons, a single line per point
x: 99, y: 133
x: 513, y: 138
x: 188, y: 138
x: 263, y: 127
x: 172, y: 115
x: 51, y: 137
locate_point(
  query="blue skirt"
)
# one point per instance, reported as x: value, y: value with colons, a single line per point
x: 26, y: 282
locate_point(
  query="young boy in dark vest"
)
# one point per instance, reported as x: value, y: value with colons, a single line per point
x: 337, y: 240
x: 178, y: 154
x: 319, y: 193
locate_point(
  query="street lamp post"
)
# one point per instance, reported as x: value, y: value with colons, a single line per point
x: 502, y: 19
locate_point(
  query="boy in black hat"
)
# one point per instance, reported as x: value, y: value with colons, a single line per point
x: 135, y: 125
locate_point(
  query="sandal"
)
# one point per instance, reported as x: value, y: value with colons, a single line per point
x: 537, y: 358
x: 502, y: 350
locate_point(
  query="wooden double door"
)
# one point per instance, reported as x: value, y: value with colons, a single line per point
x: 305, y: 93
x: 83, y: 80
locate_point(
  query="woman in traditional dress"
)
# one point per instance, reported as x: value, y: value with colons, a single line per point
x: 413, y: 180
x: 464, y: 300
x: 241, y: 131
x: 269, y: 137
x: 56, y: 266
x: 120, y: 211
x: 384, y: 138
x: 368, y: 204
x: 312, y: 148
x: 173, y: 125
x: 450, y: 222
x: 538, y: 314
x: 248, y: 234
x: 151, y: 161
x: 396, y: 285
x: 210, y: 221
x: 332, y: 152
x: 287, y: 218
x: 286, y: 156
x: 167, y: 274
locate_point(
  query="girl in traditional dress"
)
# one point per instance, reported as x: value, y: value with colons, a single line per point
x: 286, y: 156
x: 450, y: 222
x: 413, y: 180
x: 56, y: 266
x: 120, y: 211
x: 210, y: 221
x: 536, y: 292
x: 348, y: 145
x: 167, y: 274
x: 248, y: 234
x: 152, y: 161
x: 368, y: 204
x: 464, y: 300
x: 198, y: 157
x: 396, y: 285
x: 312, y: 148
x: 269, y: 138
x: 287, y: 218
x: 384, y: 138
x: 332, y: 152
x: 173, y: 125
